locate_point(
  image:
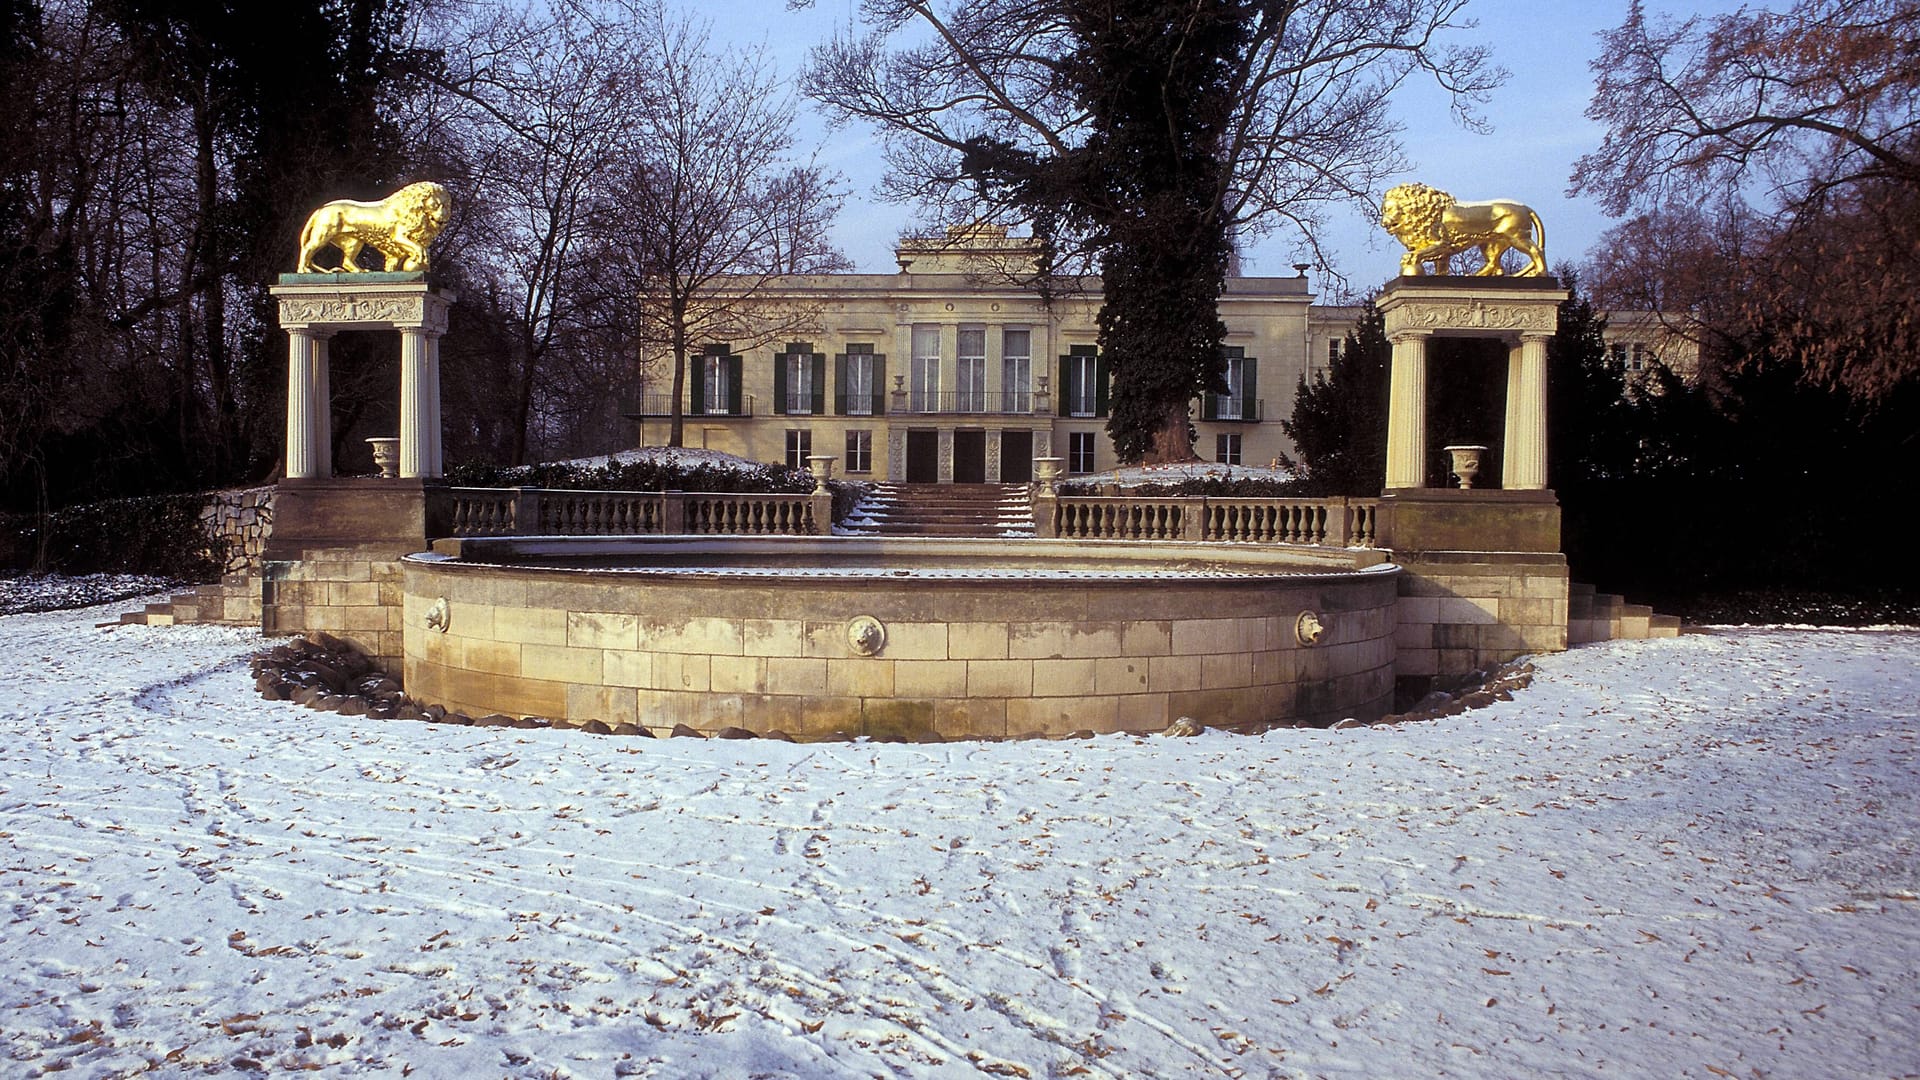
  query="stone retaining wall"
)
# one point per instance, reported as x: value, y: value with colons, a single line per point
x: 960, y: 658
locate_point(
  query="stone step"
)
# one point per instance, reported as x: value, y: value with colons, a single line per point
x: 1597, y: 616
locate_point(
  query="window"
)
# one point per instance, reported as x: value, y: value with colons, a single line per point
x: 1232, y: 402
x: 862, y: 375
x: 1016, y: 369
x: 1238, y: 403
x: 1618, y: 351
x: 924, y: 393
x: 1334, y: 347
x: 799, y: 375
x: 1226, y: 448
x: 970, y: 370
x: 799, y: 445
x: 1083, y: 382
x: 1080, y: 451
x: 1639, y: 362
x: 859, y: 451
x: 799, y: 383
x: 715, y: 389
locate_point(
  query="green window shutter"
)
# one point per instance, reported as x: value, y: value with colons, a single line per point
x: 779, y: 384
x: 737, y: 404
x: 1249, y: 389
x: 840, y: 384
x: 1062, y: 392
x: 1209, y: 405
x: 879, y: 384
x: 1103, y: 380
x: 819, y: 384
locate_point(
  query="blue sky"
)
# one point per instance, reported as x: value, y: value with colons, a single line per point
x: 1538, y: 129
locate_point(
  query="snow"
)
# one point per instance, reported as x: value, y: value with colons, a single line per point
x: 1134, y: 476
x: 1691, y: 857
x: 684, y: 456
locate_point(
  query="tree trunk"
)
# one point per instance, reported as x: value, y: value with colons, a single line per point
x: 676, y: 431
x: 1172, y: 441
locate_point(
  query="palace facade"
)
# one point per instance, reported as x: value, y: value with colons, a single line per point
x: 956, y: 370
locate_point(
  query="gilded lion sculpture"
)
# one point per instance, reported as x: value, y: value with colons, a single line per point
x: 1434, y: 227
x: 400, y: 227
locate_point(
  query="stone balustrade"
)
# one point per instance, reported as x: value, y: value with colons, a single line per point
x: 554, y: 512
x: 1336, y: 522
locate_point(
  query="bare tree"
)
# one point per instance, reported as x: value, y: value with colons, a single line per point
x: 711, y: 210
x: 1308, y: 130
x: 1147, y: 137
x: 1784, y: 105
x: 1799, y: 131
x: 536, y: 110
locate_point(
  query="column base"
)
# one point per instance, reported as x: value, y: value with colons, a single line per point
x: 1479, y: 519
x: 314, y: 513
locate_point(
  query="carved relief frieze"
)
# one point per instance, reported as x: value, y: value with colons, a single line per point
x: 421, y: 309
x: 993, y: 454
x: 896, y: 454
x: 1471, y: 314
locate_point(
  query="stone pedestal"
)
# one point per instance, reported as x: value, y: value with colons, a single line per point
x: 314, y: 307
x: 333, y: 562
x: 1520, y: 312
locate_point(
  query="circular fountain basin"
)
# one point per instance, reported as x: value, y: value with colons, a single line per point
x: 825, y: 636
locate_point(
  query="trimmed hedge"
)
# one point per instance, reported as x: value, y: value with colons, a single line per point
x: 1236, y: 487
x: 152, y: 534
x: 657, y: 475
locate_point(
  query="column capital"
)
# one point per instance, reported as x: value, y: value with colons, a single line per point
x: 1542, y: 336
x: 1404, y: 336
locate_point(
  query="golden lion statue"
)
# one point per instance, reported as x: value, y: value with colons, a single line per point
x: 1434, y: 227
x: 400, y: 227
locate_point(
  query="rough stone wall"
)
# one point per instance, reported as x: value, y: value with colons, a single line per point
x: 244, y: 519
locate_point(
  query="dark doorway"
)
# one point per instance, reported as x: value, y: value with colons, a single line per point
x: 923, y: 457
x: 969, y: 457
x: 1016, y: 457
x: 1466, y: 405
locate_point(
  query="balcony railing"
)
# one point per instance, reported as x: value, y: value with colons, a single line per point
x: 659, y: 406
x: 1243, y: 412
x: 1005, y: 403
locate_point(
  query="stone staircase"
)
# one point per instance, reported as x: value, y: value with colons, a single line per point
x: 234, y: 600
x: 950, y: 510
x: 1598, y: 616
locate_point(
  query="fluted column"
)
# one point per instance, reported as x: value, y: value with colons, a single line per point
x: 1509, y: 449
x: 434, y: 428
x: 1407, y: 413
x: 322, y: 423
x: 416, y: 404
x: 1526, y: 457
x: 303, y: 444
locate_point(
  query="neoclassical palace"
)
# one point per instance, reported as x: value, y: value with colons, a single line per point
x: 955, y: 370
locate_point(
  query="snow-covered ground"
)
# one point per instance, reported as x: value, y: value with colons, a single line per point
x: 1682, y: 858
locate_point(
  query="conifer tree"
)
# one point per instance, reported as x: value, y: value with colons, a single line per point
x: 1339, y: 421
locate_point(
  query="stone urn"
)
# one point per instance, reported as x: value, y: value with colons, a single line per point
x: 386, y: 455
x: 821, y: 466
x: 1046, y: 472
x: 1466, y: 463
